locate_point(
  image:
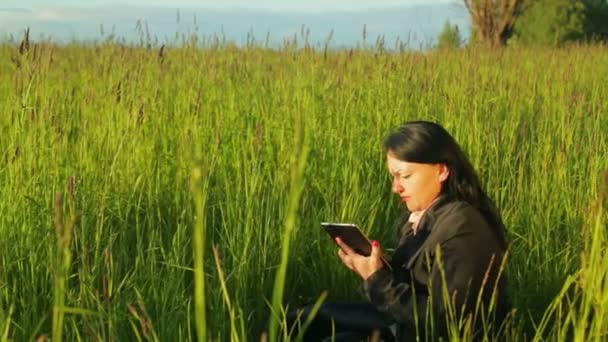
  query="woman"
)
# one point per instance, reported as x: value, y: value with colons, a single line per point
x: 447, y: 265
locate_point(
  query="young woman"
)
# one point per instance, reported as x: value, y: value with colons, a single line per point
x: 447, y: 266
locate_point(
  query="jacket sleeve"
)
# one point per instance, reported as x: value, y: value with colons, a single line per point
x: 398, y: 298
x: 408, y: 302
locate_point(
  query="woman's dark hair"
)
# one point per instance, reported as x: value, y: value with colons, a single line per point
x: 429, y: 143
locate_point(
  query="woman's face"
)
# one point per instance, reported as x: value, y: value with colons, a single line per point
x: 417, y: 184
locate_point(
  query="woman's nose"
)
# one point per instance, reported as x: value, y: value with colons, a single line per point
x: 397, y: 187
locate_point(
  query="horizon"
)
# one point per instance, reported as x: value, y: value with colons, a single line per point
x: 416, y: 25
x: 310, y: 6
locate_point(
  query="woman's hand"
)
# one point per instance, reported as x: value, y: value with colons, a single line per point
x: 362, y: 265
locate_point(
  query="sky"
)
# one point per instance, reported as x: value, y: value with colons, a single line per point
x: 276, y: 5
x: 418, y: 22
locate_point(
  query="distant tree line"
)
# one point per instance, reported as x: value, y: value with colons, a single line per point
x: 531, y: 22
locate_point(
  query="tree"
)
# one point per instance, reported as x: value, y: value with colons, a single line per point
x: 596, y: 19
x: 551, y: 22
x: 554, y: 22
x: 493, y: 20
x: 449, y: 38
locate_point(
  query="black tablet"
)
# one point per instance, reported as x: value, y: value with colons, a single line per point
x: 351, y: 235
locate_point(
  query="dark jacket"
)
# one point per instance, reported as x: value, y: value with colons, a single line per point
x: 452, y: 234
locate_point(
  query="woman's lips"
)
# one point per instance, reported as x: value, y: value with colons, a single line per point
x: 405, y: 198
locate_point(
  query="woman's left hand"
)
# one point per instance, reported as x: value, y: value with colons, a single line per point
x: 362, y: 265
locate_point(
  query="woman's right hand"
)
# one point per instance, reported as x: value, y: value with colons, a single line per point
x: 362, y: 265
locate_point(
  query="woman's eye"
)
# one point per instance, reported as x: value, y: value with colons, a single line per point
x: 405, y: 176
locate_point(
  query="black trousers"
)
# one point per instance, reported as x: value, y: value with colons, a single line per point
x: 342, y: 321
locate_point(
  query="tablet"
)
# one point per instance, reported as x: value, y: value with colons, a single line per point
x: 351, y: 235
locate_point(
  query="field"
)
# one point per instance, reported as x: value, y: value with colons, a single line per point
x: 193, y: 181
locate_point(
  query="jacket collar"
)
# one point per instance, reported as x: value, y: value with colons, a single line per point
x: 428, y: 218
x: 427, y: 222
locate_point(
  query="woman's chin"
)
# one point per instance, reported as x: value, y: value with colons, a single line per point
x: 408, y: 206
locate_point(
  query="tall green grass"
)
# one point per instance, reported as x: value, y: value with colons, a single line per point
x: 279, y: 141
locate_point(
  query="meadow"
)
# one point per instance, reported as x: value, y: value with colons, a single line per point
x: 175, y: 193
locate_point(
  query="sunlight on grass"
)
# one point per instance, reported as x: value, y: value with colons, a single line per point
x: 279, y: 140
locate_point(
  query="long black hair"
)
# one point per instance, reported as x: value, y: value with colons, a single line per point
x: 429, y: 143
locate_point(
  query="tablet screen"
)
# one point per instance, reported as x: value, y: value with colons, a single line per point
x: 351, y: 235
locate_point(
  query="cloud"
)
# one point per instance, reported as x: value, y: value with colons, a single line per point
x: 43, y: 20
x: 14, y: 10
x: 47, y: 14
x: 10, y: 19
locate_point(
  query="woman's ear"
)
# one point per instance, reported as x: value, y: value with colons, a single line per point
x: 444, y: 172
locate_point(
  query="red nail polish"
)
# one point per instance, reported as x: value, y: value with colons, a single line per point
x: 375, y: 243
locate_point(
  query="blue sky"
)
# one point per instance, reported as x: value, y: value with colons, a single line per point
x: 417, y: 22
x: 279, y: 5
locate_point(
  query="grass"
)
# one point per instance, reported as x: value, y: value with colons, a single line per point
x: 279, y: 141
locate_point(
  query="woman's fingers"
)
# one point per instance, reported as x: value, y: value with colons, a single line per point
x: 341, y: 254
x: 364, y: 266
x: 345, y: 248
x: 346, y: 259
x: 346, y: 254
